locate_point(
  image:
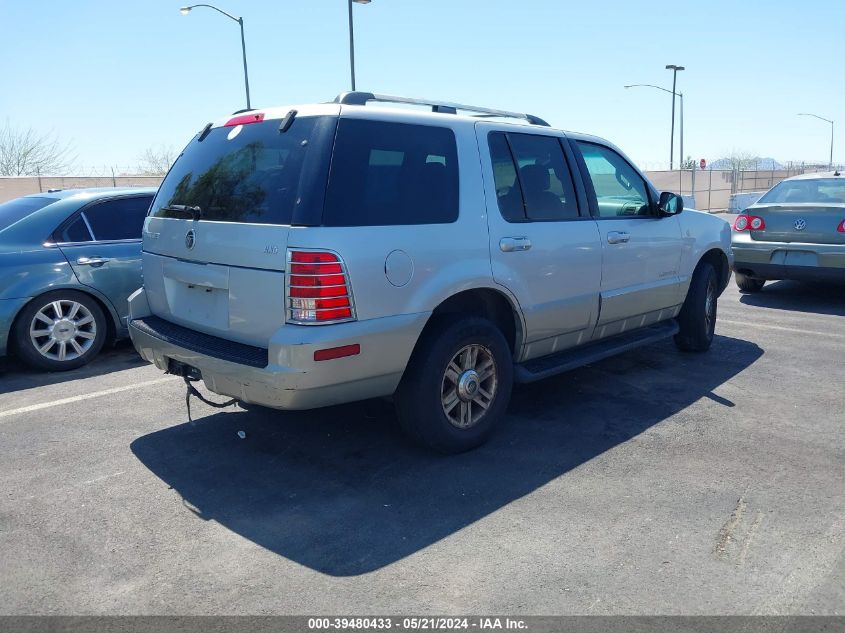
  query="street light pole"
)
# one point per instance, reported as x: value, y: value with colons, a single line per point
x: 830, y: 164
x: 674, y: 70
x: 240, y: 21
x: 681, y: 95
x: 352, y: 41
x: 681, y: 162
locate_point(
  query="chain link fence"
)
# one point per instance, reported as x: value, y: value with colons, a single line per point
x: 713, y: 188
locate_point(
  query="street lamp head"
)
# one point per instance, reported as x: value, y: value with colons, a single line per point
x: 362, y: 1
x: 185, y: 10
x: 673, y: 67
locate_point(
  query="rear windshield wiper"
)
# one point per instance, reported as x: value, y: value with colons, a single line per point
x: 194, y: 212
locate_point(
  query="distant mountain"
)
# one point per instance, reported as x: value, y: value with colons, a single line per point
x: 763, y: 164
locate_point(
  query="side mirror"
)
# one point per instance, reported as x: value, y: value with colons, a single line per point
x: 670, y: 204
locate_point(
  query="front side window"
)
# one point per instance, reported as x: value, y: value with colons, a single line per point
x: 533, y: 181
x: 392, y: 173
x: 620, y: 190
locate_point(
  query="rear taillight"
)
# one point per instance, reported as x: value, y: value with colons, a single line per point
x: 841, y: 227
x: 318, y: 289
x: 745, y: 222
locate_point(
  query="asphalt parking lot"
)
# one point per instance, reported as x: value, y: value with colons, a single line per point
x: 652, y: 483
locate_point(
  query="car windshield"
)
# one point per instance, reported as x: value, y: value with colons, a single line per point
x: 16, y: 210
x: 813, y: 191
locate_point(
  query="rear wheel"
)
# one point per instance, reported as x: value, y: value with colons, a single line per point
x: 457, y: 385
x: 697, y: 319
x: 748, y: 284
x: 60, y: 330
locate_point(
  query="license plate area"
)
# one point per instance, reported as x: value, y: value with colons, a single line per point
x: 801, y: 258
x: 198, y: 303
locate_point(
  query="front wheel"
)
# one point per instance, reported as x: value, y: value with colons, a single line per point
x: 457, y: 385
x: 60, y: 330
x: 697, y: 319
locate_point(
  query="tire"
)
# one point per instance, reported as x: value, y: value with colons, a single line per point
x: 697, y: 319
x: 74, y: 323
x: 748, y: 284
x: 435, y: 402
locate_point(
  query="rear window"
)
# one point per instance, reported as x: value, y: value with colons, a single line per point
x: 251, y: 173
x: 18, y: 209
x: 392, y: 173
x: 814, y: 191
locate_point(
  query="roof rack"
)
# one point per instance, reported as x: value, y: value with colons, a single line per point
x: 445, y: 107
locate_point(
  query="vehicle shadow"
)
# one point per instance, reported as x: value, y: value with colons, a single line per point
x: 810, y: 297
x: 341, y: 491
x: 15, y: 376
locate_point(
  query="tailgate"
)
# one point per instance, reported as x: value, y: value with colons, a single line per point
x: 216, y: 238
x: 200, y: 287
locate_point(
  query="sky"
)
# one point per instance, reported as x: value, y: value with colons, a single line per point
x: 114, y: 78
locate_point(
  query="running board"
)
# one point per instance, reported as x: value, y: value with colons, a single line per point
x: 540, y: 368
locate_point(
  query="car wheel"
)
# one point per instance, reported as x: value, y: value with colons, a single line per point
x: 457, y: 385
x: 748, y: 284
x: 60, y: 330
x: 697, y: 319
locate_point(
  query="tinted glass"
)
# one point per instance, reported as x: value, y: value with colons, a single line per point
x: 620, y: 191
x: 547, y: 189
x: 120, y: 219
x: 76, y: 231
x: 508, y: 192
x: 814, y: 191
x: 18, y: 209
x: 247, y: 173
x: 392, y: 173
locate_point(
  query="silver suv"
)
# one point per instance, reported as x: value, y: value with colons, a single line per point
x: 306, y: 256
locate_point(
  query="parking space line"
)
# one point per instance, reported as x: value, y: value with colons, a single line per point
x: 755, y: 325
x: 84, y: 396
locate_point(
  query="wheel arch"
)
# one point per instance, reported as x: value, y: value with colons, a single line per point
x: 717, y: 258
x: 489, y: 303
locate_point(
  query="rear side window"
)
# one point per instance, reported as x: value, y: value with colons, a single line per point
x: 533, y: 181
x: 18, y: 209
x: 253, y: 173
x: 76, y: 231
x: 120, y: 219
x: 392, y: 173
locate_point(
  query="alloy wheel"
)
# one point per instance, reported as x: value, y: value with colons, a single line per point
x: 63, y: 330
x: 710, y: 306
x: 469, y: 386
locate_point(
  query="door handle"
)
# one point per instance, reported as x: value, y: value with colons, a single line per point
x: 512, y: 244
x: 617, y: 237
x: 92, y: 261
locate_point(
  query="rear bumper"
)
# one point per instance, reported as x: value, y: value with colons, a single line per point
x: 793, y: 260
x: 291, y: 378
x: 9, y: 309
x: 798, y: 273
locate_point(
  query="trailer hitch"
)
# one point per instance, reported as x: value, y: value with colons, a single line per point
x: 191, y: 375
